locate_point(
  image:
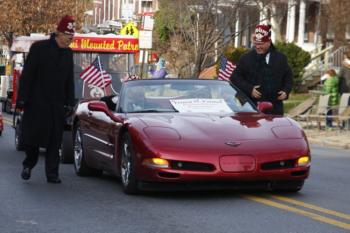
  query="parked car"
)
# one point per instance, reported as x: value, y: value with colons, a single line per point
x: 188, y: 134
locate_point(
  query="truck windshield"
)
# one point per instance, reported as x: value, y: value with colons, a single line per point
x: 117, y: 65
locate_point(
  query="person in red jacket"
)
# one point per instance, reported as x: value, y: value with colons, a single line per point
x: 46, y: 89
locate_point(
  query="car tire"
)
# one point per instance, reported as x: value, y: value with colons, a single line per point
x: 66, y: 151
x: 80, y: 165
x: 127, y: 166
x: 18, y: 136
x: 290, y: 186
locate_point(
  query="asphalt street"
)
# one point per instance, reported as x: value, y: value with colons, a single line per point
x: 98, y: 205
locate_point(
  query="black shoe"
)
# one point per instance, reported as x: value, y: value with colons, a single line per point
x: 54, y: 180
x: 26, y: 173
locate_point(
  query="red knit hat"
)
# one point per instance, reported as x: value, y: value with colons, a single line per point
x: 262, y: 34
x: 66, y: 25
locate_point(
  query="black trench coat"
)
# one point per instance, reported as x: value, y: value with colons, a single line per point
x: 46, y: 86
x: 248, y: 74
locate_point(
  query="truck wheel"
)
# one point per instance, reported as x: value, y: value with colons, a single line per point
x: 8, y: 106
x: 66, y: 151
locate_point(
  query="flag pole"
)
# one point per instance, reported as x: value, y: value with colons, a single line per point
x: 83, y: 92
x: 100, y: 67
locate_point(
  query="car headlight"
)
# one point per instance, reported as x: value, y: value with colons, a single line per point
x: 304, y: 161
x: 156, y: 162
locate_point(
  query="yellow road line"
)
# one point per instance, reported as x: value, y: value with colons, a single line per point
x: 298, y: 211
x: 312, y: 207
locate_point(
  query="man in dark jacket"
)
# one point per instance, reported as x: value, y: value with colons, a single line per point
x: 344, y: 75
x: 263, y: 73
x: 46, y: 88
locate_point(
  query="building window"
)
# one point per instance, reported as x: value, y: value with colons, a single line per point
x: 146, y: 6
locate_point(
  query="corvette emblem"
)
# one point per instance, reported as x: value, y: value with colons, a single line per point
x: 233, y: 144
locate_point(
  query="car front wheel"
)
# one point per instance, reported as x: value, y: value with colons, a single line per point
x: 289, y: 186
x: 80, y: 165
x: 127, y: 166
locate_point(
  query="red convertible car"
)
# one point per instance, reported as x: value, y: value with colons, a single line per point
x: 188, y: 134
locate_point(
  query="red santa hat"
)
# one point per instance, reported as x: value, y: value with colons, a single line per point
x: 66, y: 25
x: 262, y: 34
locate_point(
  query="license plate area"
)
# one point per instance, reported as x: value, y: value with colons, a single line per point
x: 237, y: 163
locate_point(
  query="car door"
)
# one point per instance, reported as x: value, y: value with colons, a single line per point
x: 100, y: 134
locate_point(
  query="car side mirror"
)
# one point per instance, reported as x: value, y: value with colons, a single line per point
x: 264, y: 106
x: 98, y: 107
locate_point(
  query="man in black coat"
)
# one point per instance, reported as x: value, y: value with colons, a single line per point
x: 46, y: 88
x: 263, y: 73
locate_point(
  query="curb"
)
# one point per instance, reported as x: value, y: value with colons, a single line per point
x: 325, y: 143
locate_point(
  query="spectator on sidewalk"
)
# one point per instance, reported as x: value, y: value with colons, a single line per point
x: 344, y: 74
x: 331, y: 87
x: 160, y: 71
x: 263, y: 73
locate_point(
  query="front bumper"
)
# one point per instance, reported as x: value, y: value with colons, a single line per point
x: 176, y: 176
x: 255, y: 164
x: 222, y: 185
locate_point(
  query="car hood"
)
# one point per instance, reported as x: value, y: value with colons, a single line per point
x: 209, y: 127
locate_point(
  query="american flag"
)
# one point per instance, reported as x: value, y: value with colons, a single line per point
x: 95, y: 75
x: 226, y: 69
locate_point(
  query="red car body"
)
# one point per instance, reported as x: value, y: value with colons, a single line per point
x: 177, y: 150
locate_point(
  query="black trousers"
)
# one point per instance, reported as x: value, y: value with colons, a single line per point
x: 52, y: 158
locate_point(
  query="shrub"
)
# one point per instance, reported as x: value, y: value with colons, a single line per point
x: 298, y: 59
x: 232, y: 54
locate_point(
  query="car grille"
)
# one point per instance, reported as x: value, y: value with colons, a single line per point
x: 192, y: 166
x: 278, y: 165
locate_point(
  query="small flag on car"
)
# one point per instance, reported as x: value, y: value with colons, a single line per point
x: 95, y: 75
x: 129, y: 77
x: 226, y: 69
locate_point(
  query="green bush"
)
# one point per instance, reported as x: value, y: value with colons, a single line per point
x: 232, y: 54
x: 297, y: 60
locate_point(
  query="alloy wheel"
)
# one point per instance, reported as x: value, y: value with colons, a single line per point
x: 126, y: 164
x: 78, y: 150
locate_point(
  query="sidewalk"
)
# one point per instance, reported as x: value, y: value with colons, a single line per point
x: 334, y: 138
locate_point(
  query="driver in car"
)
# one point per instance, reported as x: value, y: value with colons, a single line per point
x: 135, y: 99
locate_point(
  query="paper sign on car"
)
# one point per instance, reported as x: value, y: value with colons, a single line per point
x: 201, y: 105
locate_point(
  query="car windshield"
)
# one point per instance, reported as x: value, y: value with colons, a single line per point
x: 174, y: 95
